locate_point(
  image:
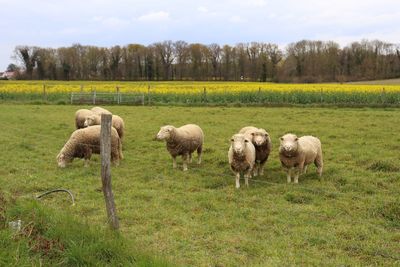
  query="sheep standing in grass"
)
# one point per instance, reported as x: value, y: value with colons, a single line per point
x: 241, y: 156
x: 83, y: 142
x: 100, y: 110
x: 182, y: 141
x: 117, y: 123
x: 296, y: 153
x: 262, y: 143
x: 80, y: 117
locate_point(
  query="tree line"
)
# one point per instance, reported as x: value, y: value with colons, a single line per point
x: 303, y: 61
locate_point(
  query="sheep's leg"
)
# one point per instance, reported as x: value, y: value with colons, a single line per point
x: 288, y: 175
x: 199, y: 153
x: 174, y: 162
x: 87, y: 156
x: 305, y: 169
x: 246, y: 177
x: 296, y: 178
x: 320, y: 164
x: 185, y: 158
x: 256, y: 169
x: 190, y: 157
x: 238, y: 180
x: 261, y: 169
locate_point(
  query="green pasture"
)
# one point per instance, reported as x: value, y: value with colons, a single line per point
x: 197, y: 218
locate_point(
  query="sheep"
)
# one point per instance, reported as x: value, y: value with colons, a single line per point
x: 241, y: 156
x: 182, y: 141
x: 100, y: 110
x: 117, y: 123
x: 80, y: 117
x: 263, y: 145
x: 83, y: 142
x: 296, y: 153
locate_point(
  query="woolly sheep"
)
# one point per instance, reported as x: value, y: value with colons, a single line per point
x: 100, y: 110
x: 296, y: 153
x: 83, y: 142
x: 117, y: 123
x: 80, y: 117
x: 182, y: 141
x: 241, y: 156
x: 262, y: 143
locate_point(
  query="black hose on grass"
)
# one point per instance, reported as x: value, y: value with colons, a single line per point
x: 58, y: 190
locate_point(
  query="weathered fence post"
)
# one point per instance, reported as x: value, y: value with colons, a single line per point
x: 322, y: 96
x: 44, y: 92
x: 94, y: 97
x: 81, y: 88
x: 204, y: 94
x: 105, y: 150
x: 118, y: 95
x: 383, y: 96
x: 148, y: 93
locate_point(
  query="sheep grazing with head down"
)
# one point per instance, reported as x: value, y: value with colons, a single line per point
x: 100, y: 110
x: 262, y: 143
x: 241, y: 156
x: 182, y: 141
x: 296, y: 153
x: 83, y: 142
x: 117, y: 122
x: 80, y: 117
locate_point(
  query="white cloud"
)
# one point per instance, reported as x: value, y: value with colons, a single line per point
x: 202, y: 9
x: 155, y: 16
x: 236, y: 19
x: 111, y: 22
x: 257, y: 3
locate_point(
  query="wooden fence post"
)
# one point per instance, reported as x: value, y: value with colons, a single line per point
x: 322, y: 95
x: 204, y: 94
x: 118, y: 95
x: 44, y: 93
x: 94, y: 97
x: 148, y: 94
x: 105, y: 150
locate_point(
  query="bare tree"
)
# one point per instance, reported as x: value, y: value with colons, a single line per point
x: 165, y: 50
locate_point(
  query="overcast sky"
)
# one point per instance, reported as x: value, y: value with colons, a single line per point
x: 51, y: 23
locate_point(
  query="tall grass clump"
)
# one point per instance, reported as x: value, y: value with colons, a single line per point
x: 51, y: 238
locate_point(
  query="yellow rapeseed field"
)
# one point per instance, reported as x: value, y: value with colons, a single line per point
x: 181, y: 87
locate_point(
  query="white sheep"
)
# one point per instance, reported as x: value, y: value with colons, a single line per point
x: 182, y: 141
x: 117, y: 122
x: 100, y: 110
x: 80, y: 117
x: 241, y: 156
x: 262, y: 143
x: 83, y: 142
x: 296, y: 153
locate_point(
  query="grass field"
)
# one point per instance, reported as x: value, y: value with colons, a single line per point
x: 198, y: 218
x: 209, y: 93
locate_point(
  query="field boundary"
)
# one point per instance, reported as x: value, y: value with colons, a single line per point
x: 107, y: 98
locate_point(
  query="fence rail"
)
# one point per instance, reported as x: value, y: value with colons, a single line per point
x: 107, y: 98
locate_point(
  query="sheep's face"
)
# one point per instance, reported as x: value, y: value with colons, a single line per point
x: 289, y: 143
x: 89, y: 121
x: 238, y: 143
x: 61, y: 160
x: 165, y: 132
x: 260, y: 137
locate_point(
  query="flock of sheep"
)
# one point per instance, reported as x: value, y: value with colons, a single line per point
x: 247, y: 155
